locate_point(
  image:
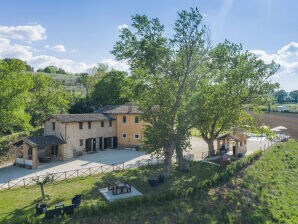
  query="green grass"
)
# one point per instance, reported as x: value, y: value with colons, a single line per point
x: 19, y: 202
x: 274, y: 181
x: 264, y: 192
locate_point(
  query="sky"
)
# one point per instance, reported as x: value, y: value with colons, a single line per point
x: 77, y: 34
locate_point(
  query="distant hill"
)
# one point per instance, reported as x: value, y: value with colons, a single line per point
x: 70, y: 81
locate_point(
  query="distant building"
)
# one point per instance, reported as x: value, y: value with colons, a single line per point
x: 68, y: 135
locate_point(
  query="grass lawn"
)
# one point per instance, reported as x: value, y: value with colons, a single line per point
x: 264, y: 192
x: 19, y: 202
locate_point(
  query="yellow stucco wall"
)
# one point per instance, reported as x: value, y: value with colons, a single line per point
x: 72, y: 134
x: 130, y: 128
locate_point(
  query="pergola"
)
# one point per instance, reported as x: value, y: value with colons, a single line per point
x: 29, y: 150
x: 237, y: 139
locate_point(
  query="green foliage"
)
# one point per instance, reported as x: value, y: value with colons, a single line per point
x: 109, y: 90
x: 47, y: 97
x: 164, y: 71
x: 52, y: 70
x: 232, y: 80
x: 294, y: 96
x: 15, y: 84
x: 281, y: 96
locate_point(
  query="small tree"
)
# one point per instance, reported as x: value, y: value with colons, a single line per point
x: 41, y: 181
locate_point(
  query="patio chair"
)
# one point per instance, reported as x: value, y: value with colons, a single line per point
x: 40, y: 208
x: 76, y: 200
x: 69, y: 210
x: 52, y: 213
x: 153, y: 181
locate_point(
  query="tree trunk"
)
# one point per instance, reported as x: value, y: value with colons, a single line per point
x: 180, y: 158
x: 211, y: 151
x: 169, y: 151
x: 42, y: 192
x: 269, y: 108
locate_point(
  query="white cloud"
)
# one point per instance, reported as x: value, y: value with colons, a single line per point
x: 26, y: 33
x: 287, y: 58
x: 118, y: 65
x: 8, y: 50
x: 123, y: 26
x: 57, y: 48
x: 27, y: 52
x: 68, y: 65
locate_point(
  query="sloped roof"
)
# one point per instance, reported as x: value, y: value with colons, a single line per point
x: 234, y: 136
x: 66, y: 118
x: 120, y: 109
x: 41, y: 141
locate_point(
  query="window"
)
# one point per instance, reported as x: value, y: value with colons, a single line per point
x: 81, y: 142
x: 136, y: 136
x: 123, y: 135
x: 102, y: 124
x: 110, y: 123
x: 81, y: 125
x: 53, y: 125
x: 30, y: 153
x: 124, y: 119
x: 136, y: 119
x: 89, y: 124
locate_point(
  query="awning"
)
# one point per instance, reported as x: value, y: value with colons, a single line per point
x: 41, y: 141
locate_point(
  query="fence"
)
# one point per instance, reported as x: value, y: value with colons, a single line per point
x: 78, y: 173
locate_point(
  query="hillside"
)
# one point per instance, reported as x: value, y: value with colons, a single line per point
x: 70, y: 81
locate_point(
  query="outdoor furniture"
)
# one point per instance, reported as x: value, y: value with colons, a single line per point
x: 153, y: 181
x: 52, y: 213
x: 40, y: 208
x: 76, y: 200
x: 121, y: 188
x: 59, y: 205
x: 118, y: 187
x: 111, y: 186
x: 69, y: 210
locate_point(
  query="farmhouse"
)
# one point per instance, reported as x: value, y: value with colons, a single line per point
x: 69, y: 135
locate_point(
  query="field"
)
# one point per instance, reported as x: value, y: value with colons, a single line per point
x: 264, y: 192
x: 274, y: 119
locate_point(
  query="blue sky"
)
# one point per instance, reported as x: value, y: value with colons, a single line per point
x: 76, y: 34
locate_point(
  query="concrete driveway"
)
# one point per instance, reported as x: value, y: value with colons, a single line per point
x: 108, y: 157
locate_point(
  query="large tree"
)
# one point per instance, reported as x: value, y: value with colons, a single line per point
x: 109, y: 90
x: 294, y: 96
x: 46, y: 97
x: 232, y: 80
x: 281, y: 96
x: 14, y: 86
x: 165, y: 69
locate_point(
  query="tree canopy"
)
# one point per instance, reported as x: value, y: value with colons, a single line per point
x: 14, y: 93
x: 232, y: 80
x: 166, y: 68
x: 109, y: 90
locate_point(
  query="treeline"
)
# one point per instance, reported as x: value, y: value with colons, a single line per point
x: 282, y: 96
x: 28, y: 97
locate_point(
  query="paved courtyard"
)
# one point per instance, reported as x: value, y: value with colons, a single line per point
x: 109, y: 157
